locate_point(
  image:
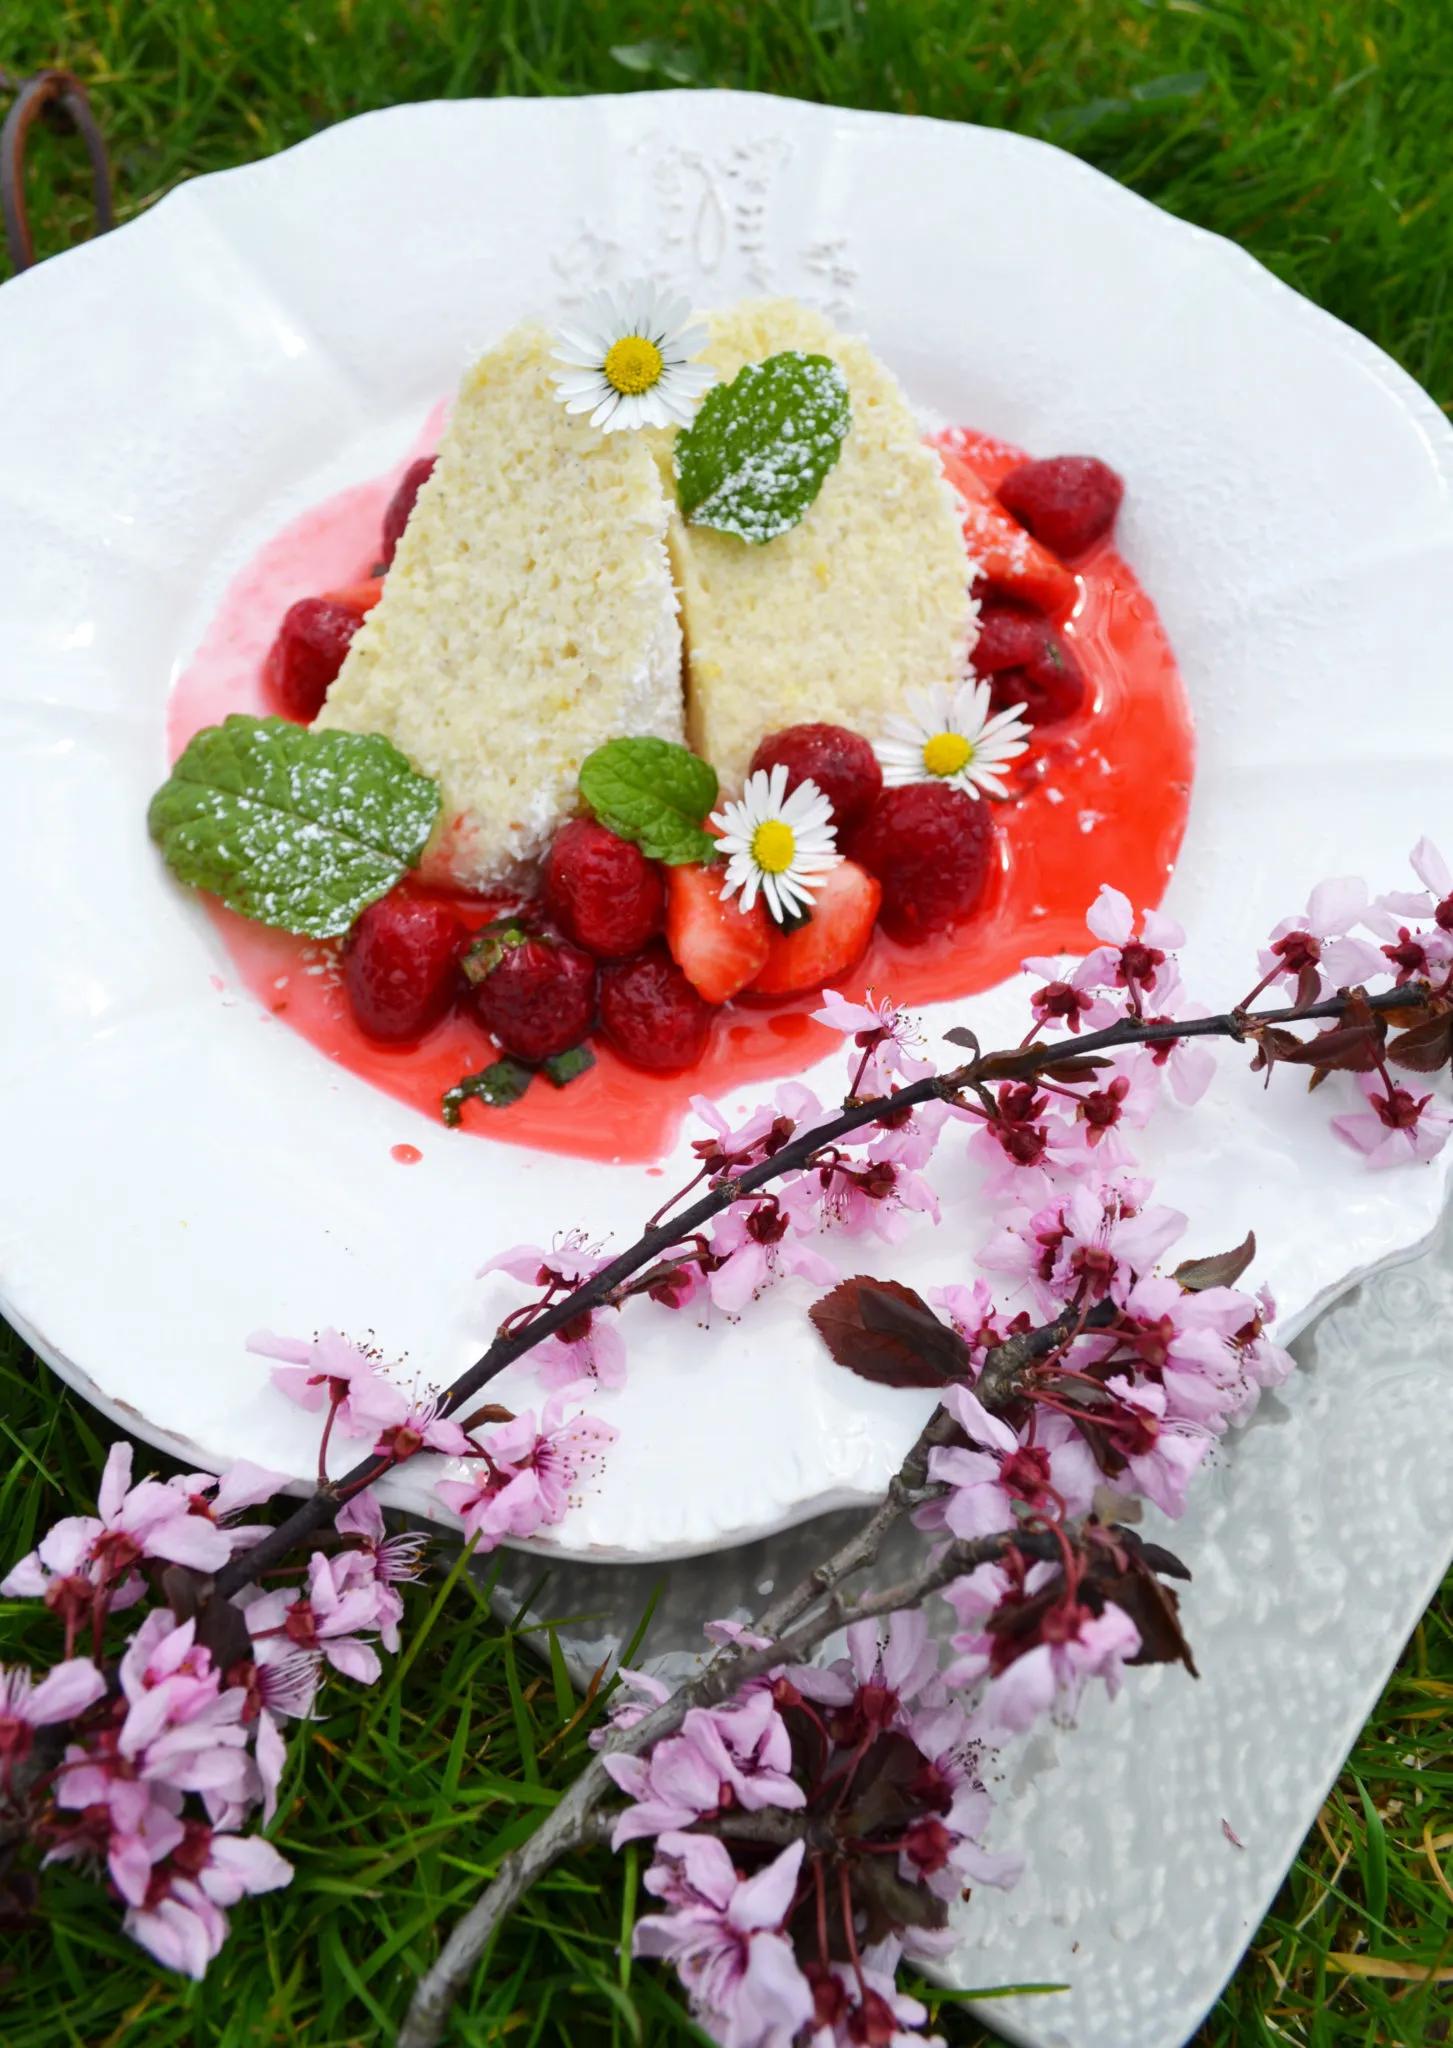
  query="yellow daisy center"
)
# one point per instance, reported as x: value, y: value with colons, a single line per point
x: 633, y: 365
x: 773, y: 846
x: 946, y: 753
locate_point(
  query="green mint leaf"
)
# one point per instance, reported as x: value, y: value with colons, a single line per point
x: 754, y: 458
x: 655, y: 793
x: 491, y: 942
x: 499, y: 1085
x: 293, y: 828
x: 564, y: 1067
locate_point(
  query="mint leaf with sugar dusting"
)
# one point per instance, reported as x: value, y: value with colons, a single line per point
x: 655, y: 793
x: 755, y: 456
x: 297, y: 829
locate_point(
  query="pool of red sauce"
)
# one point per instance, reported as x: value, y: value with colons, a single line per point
x: 1101, y: 798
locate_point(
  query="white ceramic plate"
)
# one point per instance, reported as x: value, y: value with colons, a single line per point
x: 180, y: 1169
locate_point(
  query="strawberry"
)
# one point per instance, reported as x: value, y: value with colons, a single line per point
x: 841, y: 763
x: 651, y: 1014
x: 932, y: 850
x: 832, y: 940
x: 401, y: 966
x: 718, y: 947
x: 401, y: 504
x: 1067, y: 501
x: 1009, y: 558
x: 311, y: 644
x: 602, y: 891
x: 357, y: 597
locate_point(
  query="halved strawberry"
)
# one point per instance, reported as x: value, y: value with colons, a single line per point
x: 1010, y: 558
x: 358, y: 597
x: 718, y: 947
x: 834, y: 937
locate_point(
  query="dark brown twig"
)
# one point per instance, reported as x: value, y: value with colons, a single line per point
x: 1019, y: 1063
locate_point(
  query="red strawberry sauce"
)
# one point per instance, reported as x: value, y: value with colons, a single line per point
x: 1103, y: 798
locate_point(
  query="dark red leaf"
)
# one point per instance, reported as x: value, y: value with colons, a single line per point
x: 886, y: 1333
x: 1425, y: 1047
x: 889, y: 1902
x: 1075, y: 1068
x: 1309, y: 987
x: 961, y: 1035
x: 1221, y: 1269
x: 1349, y: 1048
x: 1153, y: 1608
x: 220, y: 1626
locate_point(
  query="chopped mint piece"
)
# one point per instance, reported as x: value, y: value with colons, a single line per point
x: 499, y: 1085
x: 655, y: 793
x: 297, y: 829
x: 564, y: 1067
x: 755, y: 456
x: 489, y: 944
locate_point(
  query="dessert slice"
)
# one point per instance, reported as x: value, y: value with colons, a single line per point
x: 528, y: 616
x: 866, y: 599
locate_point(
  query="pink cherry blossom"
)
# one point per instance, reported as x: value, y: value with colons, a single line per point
x: 1320, y: 938
x: 334, y: 1618
x: 882, y: 1035
x: 1163, y: 1454
x: 1069, y: 1000
x: 725, y: 1938
x: 62, y: 1695
x: 1106, y: 1242
x: 401, y: 1424
x: 527, y: 1480
x: 562, y: 1267
x: 999, y: 1474
x: 588, y: 1349
x: 1398, y: 1128
x: 1183, y: 1341
x: 758, y: 1242
x: 181, y: 1920
x: 1048, y: 1675
x: 870, y: 2007
x: 326, y: 1370
x: 1434, y: 901
x: 1133, y: 961
x: 738, y: 1756
x: 893, y: 1667
x: 378, y: 1560
x: 874, y: 1197
x: 637, y: 1694
x: 731, y: 1149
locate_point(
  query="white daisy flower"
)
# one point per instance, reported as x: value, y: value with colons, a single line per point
x: 781, y: 845
x: 953, y: 737
x: 627, y: 359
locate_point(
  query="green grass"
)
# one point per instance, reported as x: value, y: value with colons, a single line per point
x: 1314, y: 132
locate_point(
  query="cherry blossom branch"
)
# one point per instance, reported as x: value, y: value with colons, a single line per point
x: 602, y: 1288
x: 572, y: 1823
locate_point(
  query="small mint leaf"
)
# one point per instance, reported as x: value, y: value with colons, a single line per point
x: 564, y: 1067
x: 489, y: 946
x: 297, y: 829
x: 755, y: 456
x: 654, y: 793
x: 500, y: 1084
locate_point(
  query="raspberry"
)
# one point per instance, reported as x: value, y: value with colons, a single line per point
x: 931, y: 847
x: 651, y: 1014
x: 602, y: 891
x: 315, y: 635
x: 1067, y: 502
x: 841, y: 763
x: 401, y: 504
x: 535, y: 994
x: 401, y: 965
x: 1027, y: 663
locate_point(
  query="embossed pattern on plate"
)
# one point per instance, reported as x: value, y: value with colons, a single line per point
x: 181, y: 1169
